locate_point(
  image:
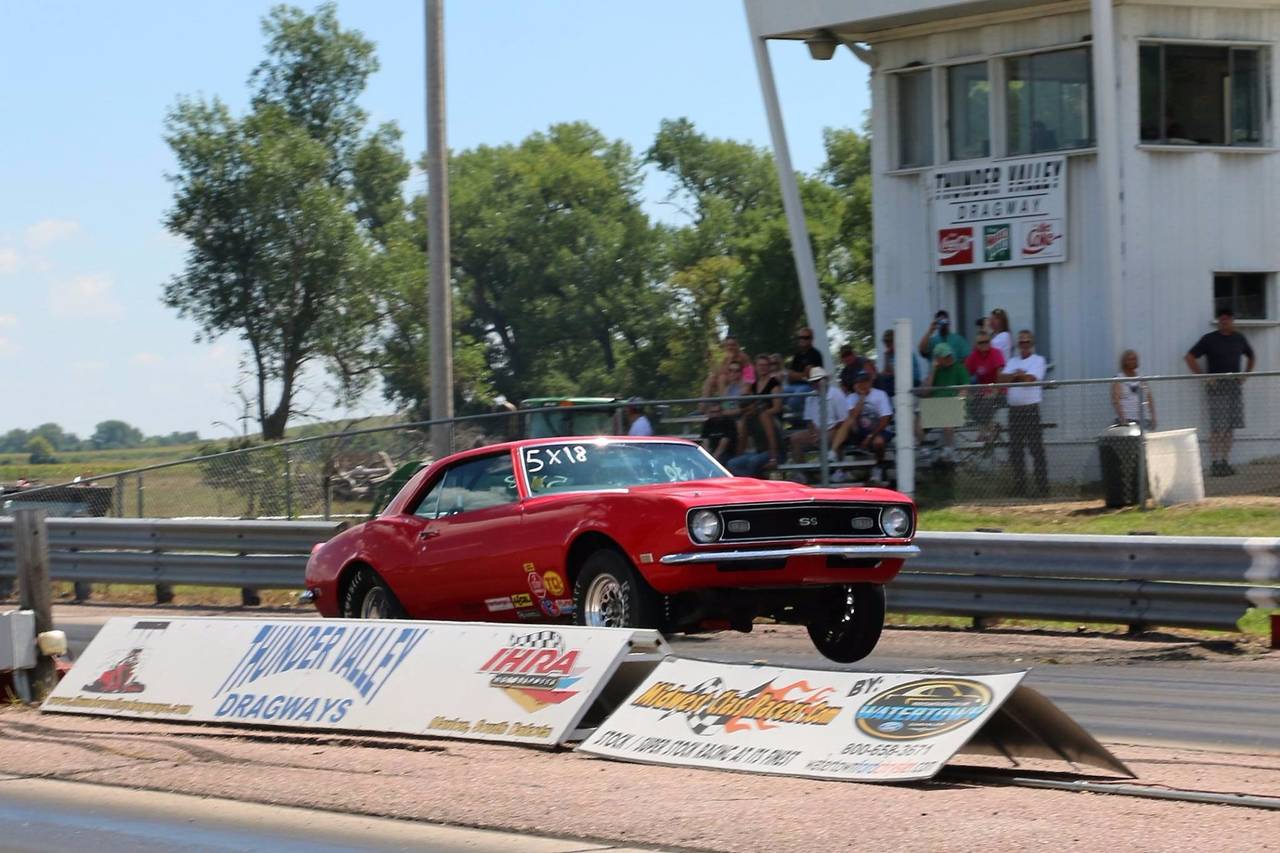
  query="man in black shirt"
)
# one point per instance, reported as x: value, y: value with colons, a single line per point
x: 1222, y: 351
x: 806, y: 356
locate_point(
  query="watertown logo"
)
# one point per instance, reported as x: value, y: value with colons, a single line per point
x: 1040, y: 239
x: 997, y: 243
x: 364, y: 657
x: 535, y: 670
x: 923, y: 709
x: 710, y: 708
x: 955, y: 246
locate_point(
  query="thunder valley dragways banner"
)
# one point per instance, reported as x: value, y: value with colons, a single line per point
x: 466, y: 680
x: 862, y: 726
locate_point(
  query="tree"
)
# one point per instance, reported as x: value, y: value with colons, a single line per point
x: 553, y: 260
x: 848, y: 170
x: 729, y: 191
x: 115, y: 435
x: 285, y: 211
x: 40, y: 451
x: 14, y: 441
x: 56, y: 437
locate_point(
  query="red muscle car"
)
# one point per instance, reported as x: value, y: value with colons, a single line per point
x: 620, y: 532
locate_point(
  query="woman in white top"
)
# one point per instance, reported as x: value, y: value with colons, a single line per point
x: 1125, y: 393
x: 1000, y: 337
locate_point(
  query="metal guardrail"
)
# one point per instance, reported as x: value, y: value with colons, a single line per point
x: 216, y: 552
x: 1172, y: 581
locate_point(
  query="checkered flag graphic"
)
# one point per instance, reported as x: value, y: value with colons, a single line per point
x: 700, y: 722
x: 539, y: 640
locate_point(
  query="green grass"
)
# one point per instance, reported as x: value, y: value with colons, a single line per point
x: 1239, y: 517
x: 1244, y: 520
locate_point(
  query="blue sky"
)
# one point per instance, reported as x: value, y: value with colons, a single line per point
x: 83, y: 254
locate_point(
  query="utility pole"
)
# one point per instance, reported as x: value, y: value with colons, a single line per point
x: 440, y: 292
x: 31, y: 556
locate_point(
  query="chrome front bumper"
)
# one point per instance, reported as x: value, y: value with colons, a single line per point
x: 851, y: 552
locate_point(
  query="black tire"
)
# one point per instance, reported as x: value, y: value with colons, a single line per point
x: 369, y: 597
x: 850, y: 631
x: 637, y: 605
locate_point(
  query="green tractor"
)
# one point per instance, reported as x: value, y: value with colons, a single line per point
x: 552, y: 416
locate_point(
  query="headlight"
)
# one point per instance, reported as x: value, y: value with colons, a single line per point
x: 896, y: 521
x: 704, y: 526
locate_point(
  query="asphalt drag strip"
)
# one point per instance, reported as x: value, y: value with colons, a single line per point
x: 53, y: 816
x: 569, y: 795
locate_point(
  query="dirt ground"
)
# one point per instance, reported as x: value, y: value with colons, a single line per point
x: 567, y: 794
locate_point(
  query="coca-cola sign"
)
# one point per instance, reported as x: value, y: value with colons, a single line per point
x: 1000, y: 213
x: 955, y: 246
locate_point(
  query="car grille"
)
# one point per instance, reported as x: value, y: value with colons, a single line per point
x: 809, y: 520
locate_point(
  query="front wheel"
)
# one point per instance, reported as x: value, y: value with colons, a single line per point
x: 849, y: 631
x: 608, y: 593
x: 369, y: 597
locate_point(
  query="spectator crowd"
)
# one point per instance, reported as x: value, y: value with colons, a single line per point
x: 773, y: 410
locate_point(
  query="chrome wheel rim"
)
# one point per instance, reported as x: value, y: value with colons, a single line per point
x: 606, y: 603
x: 374, y: 605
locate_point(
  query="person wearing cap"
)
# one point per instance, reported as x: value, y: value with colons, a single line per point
x: 867, y: 425
x: 851, y: 364
x: 1222, y: 350
x: 1025, y: 432
x: 637, y: 421
x: 940, y: 332
x: 837, y: 407
x: 946, y: 378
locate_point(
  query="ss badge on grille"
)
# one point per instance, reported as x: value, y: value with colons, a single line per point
x: 808, y: 521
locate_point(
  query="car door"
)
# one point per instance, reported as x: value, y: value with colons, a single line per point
x: 467, y: 548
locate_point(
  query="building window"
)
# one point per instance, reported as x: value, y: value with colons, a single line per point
x: 1049, y: 101
x: 1201, y: 95
x: 968, y: 111
x: 915, y: 119
x: 1245, y: 293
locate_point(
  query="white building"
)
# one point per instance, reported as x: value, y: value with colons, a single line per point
x: 1106, y: 172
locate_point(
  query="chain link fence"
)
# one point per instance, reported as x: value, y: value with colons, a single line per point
x: 1204, y: 436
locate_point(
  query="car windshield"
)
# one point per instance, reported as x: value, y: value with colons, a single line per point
x: 586, y: 465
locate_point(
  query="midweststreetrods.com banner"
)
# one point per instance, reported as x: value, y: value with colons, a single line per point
x: 858, y: 726
x: 467, y: 680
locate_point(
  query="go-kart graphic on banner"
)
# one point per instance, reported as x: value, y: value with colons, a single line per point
x: 468, y: 680
x: 856, y: 726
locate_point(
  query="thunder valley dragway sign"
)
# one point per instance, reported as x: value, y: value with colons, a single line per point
x: 1006, y: 214
x: 467, y: 680
x: 855, y: 726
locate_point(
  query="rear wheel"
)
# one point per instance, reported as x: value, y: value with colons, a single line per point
x: 609, y: 593
x: 369, y: 597
x: 850, y: 629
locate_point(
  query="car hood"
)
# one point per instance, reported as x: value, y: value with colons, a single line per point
x: 749, y: 490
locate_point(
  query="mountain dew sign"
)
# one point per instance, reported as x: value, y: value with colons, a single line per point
x: 1011, y: 213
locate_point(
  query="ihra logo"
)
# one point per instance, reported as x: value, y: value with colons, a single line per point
x: 923, y: 709
x: 955, y: 246
x: 997, y: 243
x: 535, y: 670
